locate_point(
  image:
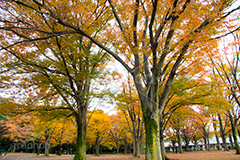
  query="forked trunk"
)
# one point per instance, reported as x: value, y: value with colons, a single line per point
x: 81, y: 136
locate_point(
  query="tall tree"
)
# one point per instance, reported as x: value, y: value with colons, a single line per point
x: 226, y: 65
x: 155, y: 36
x: 53, y: 74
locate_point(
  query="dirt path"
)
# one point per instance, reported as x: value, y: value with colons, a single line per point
x: 198, y: 155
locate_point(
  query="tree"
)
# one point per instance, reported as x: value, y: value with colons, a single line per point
x: 64, y: 132
x: 179, y: 122
x: 53, y: 73
x: 226, y: 65
x: 129, y: 104
x: 155, y: 36
x: 97, y: 129
x: 203, y: 120
x: 19, y: 128
x: 3, y: 128
x: 119, y: 132
x: 43, y: 130
x: 188, y: 89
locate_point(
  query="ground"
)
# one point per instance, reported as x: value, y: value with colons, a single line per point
x: 198, y: 155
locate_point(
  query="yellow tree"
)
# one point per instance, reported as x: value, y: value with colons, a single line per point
x: 43, y: 130
x: 97, y: 129
x: 119, y: 132
x: 156, y: 37
x: 64, y: 132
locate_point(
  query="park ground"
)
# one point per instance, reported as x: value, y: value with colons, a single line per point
x: 198, y: 155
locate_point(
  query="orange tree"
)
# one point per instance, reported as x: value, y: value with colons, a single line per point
x: 19, y: 128
x: 155, y: 37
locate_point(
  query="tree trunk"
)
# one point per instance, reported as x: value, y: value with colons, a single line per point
x: 125, y: 147
x: 129, y: 147
x: 231, y: 141
x: 153, y: 151
x: 59, y: 149
x: 234, y: 133
x: 81, y: 137
x: 97, y: 146
x: 208, y: 143
x: 136, y: 148
x: 180, y: 150
x: 47, y: 146
x: 222, y: 133
x: 239, y: 133
x: 173, y: 145
x: 101, y: 149
x: 69, y: 148
x: 163, y: 150
x: 205, y: 143
x: 117, y: 149
x: 216, y: 136
x: 13, y: 147
x: 38, y: 148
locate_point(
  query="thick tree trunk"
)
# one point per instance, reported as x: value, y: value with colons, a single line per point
x: 222, y: 133
x: 234, y: 133
x: 81, y: 136
x: 137, y: 148
x: 153, y: 151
